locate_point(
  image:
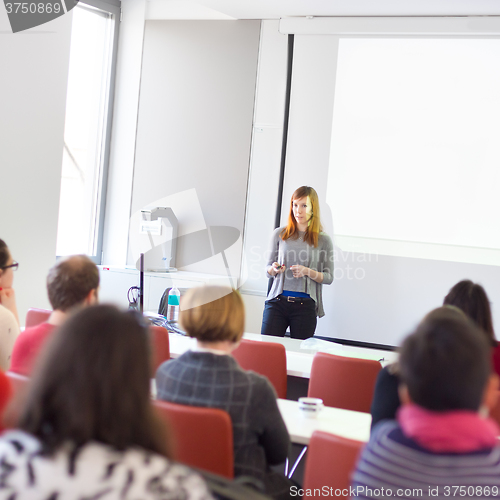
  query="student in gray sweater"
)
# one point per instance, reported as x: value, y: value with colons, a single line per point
x: 300, y: 262
x: 209, y: 376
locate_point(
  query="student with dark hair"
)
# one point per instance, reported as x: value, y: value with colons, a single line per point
x: 209, y: 376
x: 439, y: 441
x: 87, y: 428
x: 471, y: 298
x: 72, y: 283
x: 9, y: 320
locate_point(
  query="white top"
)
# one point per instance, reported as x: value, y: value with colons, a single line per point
x: 98, y: 471
x: 9, y: 330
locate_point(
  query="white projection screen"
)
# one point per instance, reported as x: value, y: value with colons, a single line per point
x: 415, y: 149
x: 396, y: 123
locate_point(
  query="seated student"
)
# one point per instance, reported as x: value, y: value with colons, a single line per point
x: 440, y: 442
x: 87, y: 428
x: 209, y: 376
x: 71, y: 283
x: 9, y: 321
x: 470, y: 298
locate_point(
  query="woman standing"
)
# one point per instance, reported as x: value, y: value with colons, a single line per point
x: 300, y: 261
x: 9, y: 321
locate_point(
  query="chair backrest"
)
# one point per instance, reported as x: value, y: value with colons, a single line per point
x: 495, y: 411
x: 18, y: 390
x: 203, y: 437
x: 266, y: 358
x: 330, y: 461
x: 160, y: 346
x: 6, y: 392
x: 343, y: 382
x: 36, y: 316
x: 18, y: 382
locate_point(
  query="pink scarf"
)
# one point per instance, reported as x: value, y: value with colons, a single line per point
x: 459, y: 431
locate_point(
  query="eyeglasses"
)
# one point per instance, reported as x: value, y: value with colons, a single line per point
x: 14, y: 265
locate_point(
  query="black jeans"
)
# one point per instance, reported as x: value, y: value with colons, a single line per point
x: 280, y: 314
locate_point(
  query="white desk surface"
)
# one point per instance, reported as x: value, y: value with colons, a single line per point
x: 349, y: 424
x: 298, y: 360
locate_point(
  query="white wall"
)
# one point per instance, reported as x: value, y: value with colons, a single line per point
x: 34, y: 67
x: 194, y: 127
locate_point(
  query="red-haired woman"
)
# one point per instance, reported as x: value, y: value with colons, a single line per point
x: 300, y: 261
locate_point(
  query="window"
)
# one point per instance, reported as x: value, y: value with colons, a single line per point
x: 87, y: 129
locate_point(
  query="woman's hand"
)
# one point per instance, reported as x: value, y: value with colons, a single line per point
x: 299, y: 271
x: 8, y: 300
x: 302, y: 271
x: 276, y: 268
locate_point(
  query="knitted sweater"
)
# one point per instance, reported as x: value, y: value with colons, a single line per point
x: 217, y: 381
x: 295, y: 251
x: 393, y: 461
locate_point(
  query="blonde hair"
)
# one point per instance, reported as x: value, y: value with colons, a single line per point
x: 213, y: 314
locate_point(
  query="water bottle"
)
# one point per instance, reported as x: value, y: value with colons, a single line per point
x: 173, y: 304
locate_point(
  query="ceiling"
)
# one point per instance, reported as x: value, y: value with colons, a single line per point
x: 275, y: 9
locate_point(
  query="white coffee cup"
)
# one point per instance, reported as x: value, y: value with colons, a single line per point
x: 310, y: 407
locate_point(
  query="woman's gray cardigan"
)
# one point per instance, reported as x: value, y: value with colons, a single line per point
x: 319, y: 258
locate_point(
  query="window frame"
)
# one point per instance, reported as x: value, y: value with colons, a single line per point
x: 112, y: 7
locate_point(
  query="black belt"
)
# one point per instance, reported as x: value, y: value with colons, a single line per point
x: 287, y: 298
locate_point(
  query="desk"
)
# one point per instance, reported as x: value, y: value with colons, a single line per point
x: 345, y: 423
x: 298, y: 360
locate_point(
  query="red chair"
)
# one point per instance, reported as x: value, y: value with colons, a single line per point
x: 203, y: 437
x: 6, y: 392
x: 330, y: 461
x: 19, y: 383
x: 266, y: 358
x: 36, y: 316
x: 18, y: 389
x: 160, y: 346
x: 343, y: 382
x: 495, y: 411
